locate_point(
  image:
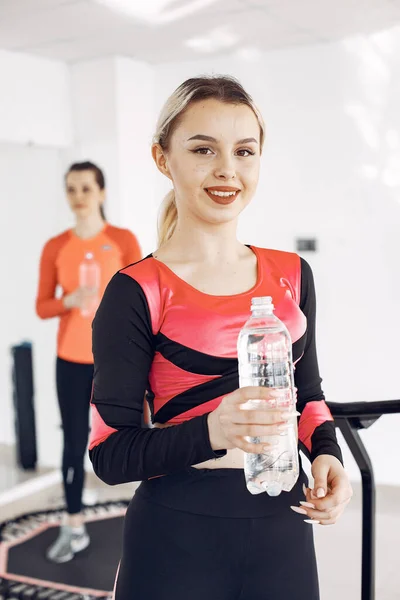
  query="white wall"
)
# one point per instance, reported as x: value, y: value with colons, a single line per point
x: 95, y: 117
x: 331, y: 169
x: 35, y: 123
x: 30, y: 198
x: 136, y: 95
x: 34, y: 100
x: 113, y: 119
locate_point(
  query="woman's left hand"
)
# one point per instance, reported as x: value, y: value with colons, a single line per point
x: 331, y: 494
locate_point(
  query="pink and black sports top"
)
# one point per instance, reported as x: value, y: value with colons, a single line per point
x: 155, y: 336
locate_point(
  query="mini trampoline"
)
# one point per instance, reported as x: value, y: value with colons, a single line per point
x: 26, y: 574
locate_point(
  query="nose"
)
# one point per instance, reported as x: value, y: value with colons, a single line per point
x: 225, y: 170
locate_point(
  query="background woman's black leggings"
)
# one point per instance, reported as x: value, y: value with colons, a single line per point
x: 74, y: 386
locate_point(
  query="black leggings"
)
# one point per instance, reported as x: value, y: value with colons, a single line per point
x: 74, y: 386
x: 171, y: 554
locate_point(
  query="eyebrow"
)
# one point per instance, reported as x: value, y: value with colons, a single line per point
x: 208, y: 138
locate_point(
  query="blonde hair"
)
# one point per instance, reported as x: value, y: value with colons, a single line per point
x: 219, y: 87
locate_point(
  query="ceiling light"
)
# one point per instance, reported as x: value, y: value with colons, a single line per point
x: 218, y: 39
x: 156, y: 12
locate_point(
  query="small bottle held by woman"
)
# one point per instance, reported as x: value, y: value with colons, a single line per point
x: 80, y: 261
x: 265, y: 360
x: 89, y: 280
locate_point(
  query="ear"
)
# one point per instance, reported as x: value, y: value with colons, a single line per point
x: 160, y: 159
x: 102, y: 196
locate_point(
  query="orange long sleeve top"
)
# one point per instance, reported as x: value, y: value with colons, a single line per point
x: 113, y: 248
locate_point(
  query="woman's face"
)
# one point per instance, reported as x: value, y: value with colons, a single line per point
x: 84, y: 194
x: 213, y: 160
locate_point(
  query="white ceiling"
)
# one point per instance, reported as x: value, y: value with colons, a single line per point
x: 74, y: 30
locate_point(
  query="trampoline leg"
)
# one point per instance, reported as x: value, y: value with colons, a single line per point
x: 363, y: 461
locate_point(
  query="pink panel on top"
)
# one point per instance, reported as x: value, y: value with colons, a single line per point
x: 100, y: 431
x: 314, y: 414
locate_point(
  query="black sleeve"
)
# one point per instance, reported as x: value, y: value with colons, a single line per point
x: 123, y: 350
x: 307, y: 378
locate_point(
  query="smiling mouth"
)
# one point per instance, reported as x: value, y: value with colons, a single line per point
x: 222, y: 195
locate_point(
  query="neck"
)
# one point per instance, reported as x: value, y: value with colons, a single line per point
x: 213, y: 244
x: 89, y: 226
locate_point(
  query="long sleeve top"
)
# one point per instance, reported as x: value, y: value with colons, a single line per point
x: 112, y: 249
x: 154, y: 335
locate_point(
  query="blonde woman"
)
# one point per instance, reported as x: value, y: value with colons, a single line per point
x: 167, y: 327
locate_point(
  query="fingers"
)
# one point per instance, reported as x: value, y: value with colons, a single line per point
x: 257, y: 417
x: 330, y: 518
x: 244, y: 394
x: 239, y: 426
x: 237, y: 419
x: 338, y: 492
x: 251, y: 447
x: 88, y: 292
x: 258, y: 430
x: 321, y: 512
x: 330, y: 503
x: 317, y: 517
x: 334, y: 497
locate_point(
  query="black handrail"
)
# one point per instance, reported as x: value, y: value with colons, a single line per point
x: 349, y: 418
x: 364, y: 409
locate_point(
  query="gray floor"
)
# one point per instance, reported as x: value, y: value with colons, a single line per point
x: 339, y: 550
x: 338, y: 547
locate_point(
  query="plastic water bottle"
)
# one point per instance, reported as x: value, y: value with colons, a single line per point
x: 89, y: 279
x: 265, y: 359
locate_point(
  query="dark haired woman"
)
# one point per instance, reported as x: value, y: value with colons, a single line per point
x: 93, y: 249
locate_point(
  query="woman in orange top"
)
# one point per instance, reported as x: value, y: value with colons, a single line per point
x: 93, y: 249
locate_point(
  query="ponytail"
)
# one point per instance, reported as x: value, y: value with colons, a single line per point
x: 168, y: 218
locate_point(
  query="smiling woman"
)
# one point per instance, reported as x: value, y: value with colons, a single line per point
x: 225, y: 170
x: 167, y: 329
x: 240, y: 129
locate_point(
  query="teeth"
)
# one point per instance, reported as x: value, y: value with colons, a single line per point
x: 223, y: 194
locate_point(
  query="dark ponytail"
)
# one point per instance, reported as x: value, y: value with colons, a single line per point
x: 98, y: 175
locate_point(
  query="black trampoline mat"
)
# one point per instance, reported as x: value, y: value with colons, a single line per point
x: 93, y: 568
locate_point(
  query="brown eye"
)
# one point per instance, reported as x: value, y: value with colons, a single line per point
x: 203, y: 150
x: 245, y: 152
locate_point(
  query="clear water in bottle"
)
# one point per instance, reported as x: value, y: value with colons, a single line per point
x: 265, y: 359
x: 89, y: 279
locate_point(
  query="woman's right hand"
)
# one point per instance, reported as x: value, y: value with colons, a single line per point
x: 231, y: 422
x: 78, y: 298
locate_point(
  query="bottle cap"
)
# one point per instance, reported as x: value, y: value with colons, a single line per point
x: 262, y: 302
